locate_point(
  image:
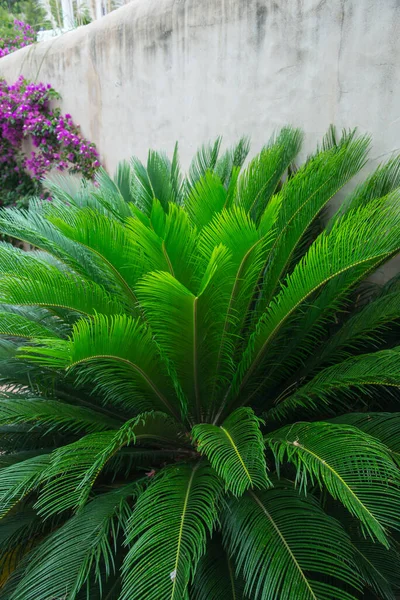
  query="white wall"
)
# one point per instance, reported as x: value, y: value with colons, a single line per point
x: 156, y: 71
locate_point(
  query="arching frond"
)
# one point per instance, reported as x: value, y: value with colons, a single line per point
x: 59, y: 291
x: 32, y: 226
x: 17, y: 480
x: 383, y: 426
x: 115, y: 355
x: 207, y: 198
x: 259, y: 181
x: 195, y: 322
x: 63, y: 562
x: 185, y: 497
x: 249, y: 253
x: 52, y: 414
x: 364, y: 327
x: 73, y: 469
x: 344, y: 248
x: 273, y: 536
x: 205, y: 160
x: 110, y: 241
x: 160, y: 179
x: 345, y: 379
x: 354, y: 467
x: 179, y: 247
x: 14, y: 325
x: 235, y: 450
x: 385, y: 179
x: 378, y: 566
x: 304, y: 196
x: 229, y: 164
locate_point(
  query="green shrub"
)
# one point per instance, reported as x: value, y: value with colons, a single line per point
x: 197, y: 395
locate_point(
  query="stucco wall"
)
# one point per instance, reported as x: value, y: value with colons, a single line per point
x: 156, y: 71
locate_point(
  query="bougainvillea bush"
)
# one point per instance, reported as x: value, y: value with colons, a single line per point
x: 23, y: 35
x: 26, y: 113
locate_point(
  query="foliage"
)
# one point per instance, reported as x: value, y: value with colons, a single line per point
x: 26, y: 114
x: 198, y: 400
x: 30, y: 12
x: 22, y: 36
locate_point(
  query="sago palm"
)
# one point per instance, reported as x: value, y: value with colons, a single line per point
x: 198, y: 396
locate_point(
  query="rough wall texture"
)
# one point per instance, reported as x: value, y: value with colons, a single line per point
x: 156, y: 71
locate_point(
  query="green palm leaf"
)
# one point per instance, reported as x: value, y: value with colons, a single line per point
x: 109, y: 240
x: 118, y: 356
x: 383, y: 426
x: 304, y: 196
x: 259, y: 181
x: 286, y: 547
x: 343, y: 249
x: 165, y: 551
x: 348, y: 378
x: 52, y: 414
x: 207, y: 198
x: 354, y: 467
x: 229, y: 164
x: 32, y: 227
x: 366, y: 326
x: 215, y: 577
x: 235, y: 450
x: 73, y: 469
x: 195, y: 325
x: 70, y: 556
x: 17, y: 480
x: 14, y: 325
x: 203, y: 161
x: 379, y: 567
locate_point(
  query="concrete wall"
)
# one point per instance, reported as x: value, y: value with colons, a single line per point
x: 156, y: 71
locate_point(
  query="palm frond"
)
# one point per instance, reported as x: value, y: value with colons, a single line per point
x: 229, y: 164
x: 347, y: 379
x: 206, y: 198
x: 384, y: 180
x: 203, y: 161
x: 273, y: 536
x: 32, y: 227
x: 74, y: 469
x: 185, y: 497
x: 117, y: 356
x: 51, y: 414
x: 260, y: 180
x: 111, y: 243
x: 305, y: 195
x: 379, y: 568
x: 14, y: 325
x: 64, y: 561
x: 195, y: 325
x: 179, y: 247
x: 384, y: 426
x: 159, y: 179
x: 123, y: 181
x: 344, y: 249
x: 365, y: 327
x: 353, y: 466
x: 235, y: 450
x: 215, y: 577
x: 17, y: 480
